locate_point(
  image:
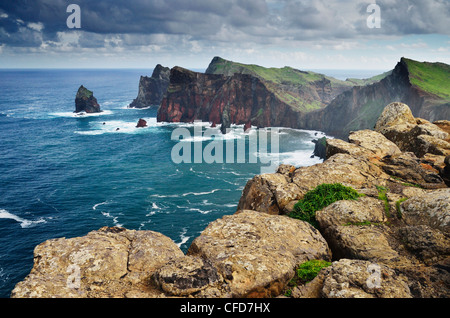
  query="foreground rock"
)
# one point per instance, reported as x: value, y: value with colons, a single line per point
x: 110, y: 262
x: 248, y: 254
x: 362, y: 279
x: 86, y: 102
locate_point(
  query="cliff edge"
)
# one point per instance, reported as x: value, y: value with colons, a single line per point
x: 152, y: 89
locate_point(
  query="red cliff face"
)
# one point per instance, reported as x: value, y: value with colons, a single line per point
x: 242, y: 98
x: 218, y: 99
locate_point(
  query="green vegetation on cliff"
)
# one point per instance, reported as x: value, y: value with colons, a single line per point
x: 303, y: 91
x: 319, y: 198
x: 432, y: 78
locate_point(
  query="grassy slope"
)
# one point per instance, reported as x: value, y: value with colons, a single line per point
x: 368, y: 81
x: 275, y: 77
x: 433, y: 78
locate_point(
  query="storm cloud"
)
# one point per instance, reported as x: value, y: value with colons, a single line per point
x: 194, y: 25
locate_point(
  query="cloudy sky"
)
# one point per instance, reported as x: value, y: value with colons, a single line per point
x: 305, y: 34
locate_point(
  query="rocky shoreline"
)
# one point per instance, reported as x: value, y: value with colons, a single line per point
x: 392, y: 242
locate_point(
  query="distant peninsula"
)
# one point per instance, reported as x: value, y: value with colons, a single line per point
x: 235, y: 93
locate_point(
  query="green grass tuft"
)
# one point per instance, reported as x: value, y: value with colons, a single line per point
x: 305, y: 273
x: 317, y: 199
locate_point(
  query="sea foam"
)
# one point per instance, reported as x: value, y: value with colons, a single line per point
x: 23, y: 223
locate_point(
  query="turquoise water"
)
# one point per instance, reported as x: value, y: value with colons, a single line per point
x: 63, y: 175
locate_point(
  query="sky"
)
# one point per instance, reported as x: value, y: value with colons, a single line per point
x: 304, y: 34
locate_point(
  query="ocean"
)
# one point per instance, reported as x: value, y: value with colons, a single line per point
x: 64, y: 175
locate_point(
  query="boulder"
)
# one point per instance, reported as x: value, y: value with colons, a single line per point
x: 394, y: 114
x: 365, y: 209
x: 187, y: 276
x: 431, y: 209
x: 335, y: 146
x: 374, y: 142
x: 360, y: 242
x: 428, y: 244
x: 256, y: 253
x: 269, y: 193
x: 110, y: 262
x: 86, y: 102
x: 431, y: 144
x: 356, y: 172
x: 362, y: 279
x: 408, y: 168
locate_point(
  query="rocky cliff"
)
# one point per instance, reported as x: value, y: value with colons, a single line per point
x: 390, y: 242
x: 288, y: 97
x: 86, y: 102
x: 152, y: 89
x: 236, y: 99
x: 360, y: 107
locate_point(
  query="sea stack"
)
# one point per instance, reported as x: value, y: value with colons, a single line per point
x: 141, y: 123
x: 86, y: 102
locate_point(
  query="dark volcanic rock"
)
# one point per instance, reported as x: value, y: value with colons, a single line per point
x: 320, y: 150
x: 225, y: 100
x: 152, y: 89
x: 86, y: 102
x: 141, y: 123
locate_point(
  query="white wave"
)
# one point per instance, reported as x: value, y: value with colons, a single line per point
x: 114, y: 218
x: 80, y: 115
x: 183, y: 237
x: 201, y: 193
x: 299, y: 158
x: 200, y: 210
x: 99, y: 204
x: 23, y: 222
x: 155, y: 206
x: 118, y: 126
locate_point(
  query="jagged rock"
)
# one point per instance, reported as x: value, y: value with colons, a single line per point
x: 335, y: 146
x: 360, y: 242
x: 430, y: 144
x: 86, y: 102
x: 365, y: 209
x: 187, y: 275
x: 152, y: 89
x: 356, y: 172
x: 418, y: 136
x: 111, y: 262
x: 446, y: 171
x: 374, y: 142
x: 431, y: 209
x: 407, y: 167
x: 428, y: 281
x: 320, y: 148
x: 427, y: 243
x: 141, y: 123
x: 444, y: 125
x: 362, y: 279
x: 256, y: 253
x: 268, y: 193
